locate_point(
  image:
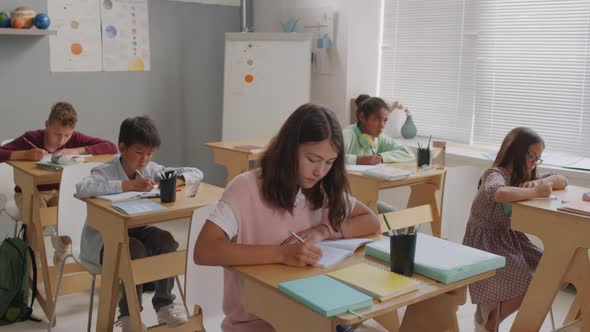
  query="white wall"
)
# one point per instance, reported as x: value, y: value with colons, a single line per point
x: 364, y: 41
x: 354, y: 52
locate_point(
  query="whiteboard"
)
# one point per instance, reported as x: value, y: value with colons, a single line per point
x: 267, y: 76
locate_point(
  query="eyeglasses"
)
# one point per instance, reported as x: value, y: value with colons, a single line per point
x: 531, y: 156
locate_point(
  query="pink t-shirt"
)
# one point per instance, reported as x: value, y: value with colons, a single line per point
x: 257, y: 223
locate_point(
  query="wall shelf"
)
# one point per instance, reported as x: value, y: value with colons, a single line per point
x: 26, y: 32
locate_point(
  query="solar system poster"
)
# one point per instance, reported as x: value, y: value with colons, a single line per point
x: 77, y: 45
x: 125, y: 35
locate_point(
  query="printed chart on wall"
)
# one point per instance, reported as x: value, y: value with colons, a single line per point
x: 245, y: 67
x: 125, y: 35
x: 76, y: 47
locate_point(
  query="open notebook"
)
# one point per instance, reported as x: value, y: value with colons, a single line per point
x: 325, y: 295
x: 138, y: 206
x: 335, y: 251
x: 442, y: 260
x: 130, y: 194
x: 48, y: 161
x: 387, y: 173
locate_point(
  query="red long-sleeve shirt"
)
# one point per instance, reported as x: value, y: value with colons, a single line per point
x: 92, y: 144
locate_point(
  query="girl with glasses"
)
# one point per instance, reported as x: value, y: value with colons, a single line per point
x: 514, y: 177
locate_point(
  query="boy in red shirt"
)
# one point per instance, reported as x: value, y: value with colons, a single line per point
x: 58, y: 136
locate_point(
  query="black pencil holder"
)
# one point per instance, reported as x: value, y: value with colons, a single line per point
x: 402, y: 249
x: 168, y: 189
x: 423, y: 157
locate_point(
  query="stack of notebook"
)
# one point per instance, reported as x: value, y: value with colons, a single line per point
x: 375, y: 281
x: 578, y: 207
x: 325, y: 295
x: 442, y: 260
x: 348, y: 289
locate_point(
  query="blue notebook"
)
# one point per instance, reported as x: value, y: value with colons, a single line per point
x: 442, y: 260
x: 326, y: 295
x: 138, y: 206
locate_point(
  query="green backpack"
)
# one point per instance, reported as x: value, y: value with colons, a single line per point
x: 15, y: 256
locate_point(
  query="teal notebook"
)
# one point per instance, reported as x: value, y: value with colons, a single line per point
x: 442, y: 260
x: 325, y: 295
x: 55, y: 166
x: 138, y: 206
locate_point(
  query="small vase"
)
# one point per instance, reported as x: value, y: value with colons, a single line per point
x: 409, y: 129
x: 394, y: 125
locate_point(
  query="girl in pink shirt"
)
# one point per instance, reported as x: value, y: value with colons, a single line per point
x: 301, y: 187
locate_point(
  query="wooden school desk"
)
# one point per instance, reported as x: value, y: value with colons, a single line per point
x: 433, y: 307
x: 566, y: 240
x: 424, y: 184
x: 236, y: 160
x: 27, y: 176
x: 118, y: 266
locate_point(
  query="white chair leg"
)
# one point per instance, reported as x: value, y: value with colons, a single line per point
x: 91, y: 302
x: 61, y: 275
x: 188, y: 314
x: 498, y: 317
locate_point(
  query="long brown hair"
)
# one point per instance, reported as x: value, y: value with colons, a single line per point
x: 280, y: 164
x: 513, y: 154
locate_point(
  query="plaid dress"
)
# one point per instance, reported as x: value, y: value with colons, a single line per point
x: 489, y: 229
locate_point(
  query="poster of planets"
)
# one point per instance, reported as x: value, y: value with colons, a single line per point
x: 244, y: 66
x: 77, y: 46
x: 125, y: 35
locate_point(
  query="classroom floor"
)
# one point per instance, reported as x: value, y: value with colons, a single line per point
x: 72, y: 309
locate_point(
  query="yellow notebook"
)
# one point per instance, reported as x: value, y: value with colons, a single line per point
x: 378, y: 282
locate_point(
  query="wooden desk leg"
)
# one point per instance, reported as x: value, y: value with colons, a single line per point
x: 35, y: 234
x: 544, y: 286
x: 235, y: 162
x: 109, y: 288
x: 436, y: 314
x: 390, y: 321
x: 30, y: 217
x: 579, y: 274
x: 574, y: 312
x: 113, y: 234
x: 126, y: 276
x: 425, y: 193
x: 282, y: 312
x: 365, y: 190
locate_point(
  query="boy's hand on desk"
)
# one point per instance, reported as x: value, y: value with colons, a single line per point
x: 73, y: 151
x: 311, y: 235
x: 300, y: 254
x: 35, y: 154
x: 180, y: 181
x: 368, y: 160
x: 138, y: 185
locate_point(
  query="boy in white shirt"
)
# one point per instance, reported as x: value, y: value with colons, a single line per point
x: 134, y: 171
